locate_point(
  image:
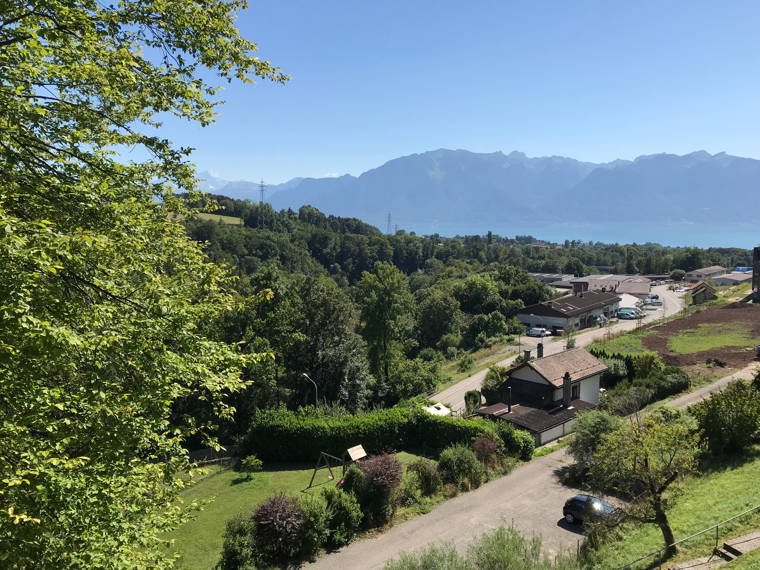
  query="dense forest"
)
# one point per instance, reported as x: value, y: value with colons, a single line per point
x: 370, y: 317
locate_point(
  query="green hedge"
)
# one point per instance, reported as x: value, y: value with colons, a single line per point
x: 283, y: 435
x: 638, y: 365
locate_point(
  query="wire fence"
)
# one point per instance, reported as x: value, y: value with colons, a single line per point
x: 715, y: 527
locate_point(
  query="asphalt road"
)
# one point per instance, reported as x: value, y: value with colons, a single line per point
x: 530, y: 498
x: 454, y: 395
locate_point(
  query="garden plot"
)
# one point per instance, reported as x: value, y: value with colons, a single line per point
x: 728, y: 334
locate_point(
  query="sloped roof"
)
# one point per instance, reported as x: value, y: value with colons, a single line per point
x: 571, y: 305
x: 536, y: 420
x: 711, y: 269
x: 577, y: 361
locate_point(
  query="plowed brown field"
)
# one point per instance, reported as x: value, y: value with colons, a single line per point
x: 733, y: 356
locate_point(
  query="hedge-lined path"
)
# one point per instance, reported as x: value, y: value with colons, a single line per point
x: 530, y: 498
x: 671, y: 303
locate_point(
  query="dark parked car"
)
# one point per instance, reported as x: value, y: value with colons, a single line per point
x: 583, y: 508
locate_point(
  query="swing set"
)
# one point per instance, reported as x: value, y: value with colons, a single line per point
x: 330, y: 462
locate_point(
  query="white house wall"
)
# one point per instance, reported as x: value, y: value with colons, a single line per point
x: 546, y: 322
x: 529, y: 375
x: 590, y: 389
x: 552, y: 434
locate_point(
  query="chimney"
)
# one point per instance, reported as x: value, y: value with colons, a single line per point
x: 540, y: 348
x: 526, y: 356
x: 566, y: 390
x: 509, y: 399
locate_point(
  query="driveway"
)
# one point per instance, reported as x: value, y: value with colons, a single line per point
x: 671, y: 304
x: 530, y: 498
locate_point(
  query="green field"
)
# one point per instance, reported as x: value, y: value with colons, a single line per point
x: 199, y: 541
x: 231, y: 220
x: 721, y: 492
x: 626, y: 343
x: 712, y: 336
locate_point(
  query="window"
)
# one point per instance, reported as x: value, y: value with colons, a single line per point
x: 575, y: 392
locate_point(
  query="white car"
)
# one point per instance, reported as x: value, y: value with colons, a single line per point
x: 538, y: 331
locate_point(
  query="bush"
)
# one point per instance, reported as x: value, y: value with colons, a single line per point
x: 450, y: 341
x: 238, y: 551
x: 460, y: 466
x: 374, y: 482
x: 250, y: 465
x: 287, y: 436
x: 589, y: 429
x: 729, y: 420
x: 279, y: 525
x: 631, y: 395
x: 487, y: 451
x: 472, y: 400
x: 516, y: 441
x: 501, y: 549
x: 451, y: 352
x: 428, y: 478
x: 410, y: 494
x: 429, y: 355
x: 465, y: 363
x: 640, y: 365
x: 315, y: 530
x: 344, y: 515
x: 492, y: 383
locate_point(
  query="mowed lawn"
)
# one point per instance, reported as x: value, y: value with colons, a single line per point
x: 199, y: 541
x: 231, y: 220
x: 722, y: 491
x: 712, y: 336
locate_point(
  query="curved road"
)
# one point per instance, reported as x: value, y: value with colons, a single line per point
x: 454, y: 395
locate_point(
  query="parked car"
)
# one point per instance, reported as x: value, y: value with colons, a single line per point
x: 628, y: 313
x: 656, y: 302
x: 538, y: 331
x: 587, y: 508
x: 559, y: 332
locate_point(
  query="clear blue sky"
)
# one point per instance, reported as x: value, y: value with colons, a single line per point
x: 374, y: 80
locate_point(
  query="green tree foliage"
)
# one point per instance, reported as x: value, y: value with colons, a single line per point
x: 644, y: 459
x: 589, y: 431
x: 729, y: 420
x: 492, y: 383
x: 103, y: 296
x: 387, y: 312
x: 501, y: 549
x: 238, y: 548
x: 439, y: 315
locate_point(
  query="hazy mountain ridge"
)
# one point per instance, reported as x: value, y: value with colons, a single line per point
x: 443, y: 188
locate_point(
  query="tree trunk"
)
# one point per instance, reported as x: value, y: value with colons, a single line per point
x: 661, y: 520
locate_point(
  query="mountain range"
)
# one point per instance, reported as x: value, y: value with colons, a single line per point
x: 448, y: 191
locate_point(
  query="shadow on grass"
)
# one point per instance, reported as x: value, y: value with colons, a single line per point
x: 711, y: 464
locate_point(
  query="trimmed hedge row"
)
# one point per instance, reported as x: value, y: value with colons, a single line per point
x: 639, y: 365
x: 288, y: 436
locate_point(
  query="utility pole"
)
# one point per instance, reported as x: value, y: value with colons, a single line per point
x: 262, y: 187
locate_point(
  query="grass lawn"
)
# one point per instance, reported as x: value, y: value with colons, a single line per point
x: 200, y: 540
x: 232, y: 220
x: 720, y: 492
x: 626, y: 343
x: 484, y: 358
x: 711, y: 336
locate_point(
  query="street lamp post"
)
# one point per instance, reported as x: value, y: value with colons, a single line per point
x: 316, y: 390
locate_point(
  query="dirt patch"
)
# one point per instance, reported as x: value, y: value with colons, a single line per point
x: 733, y: 356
